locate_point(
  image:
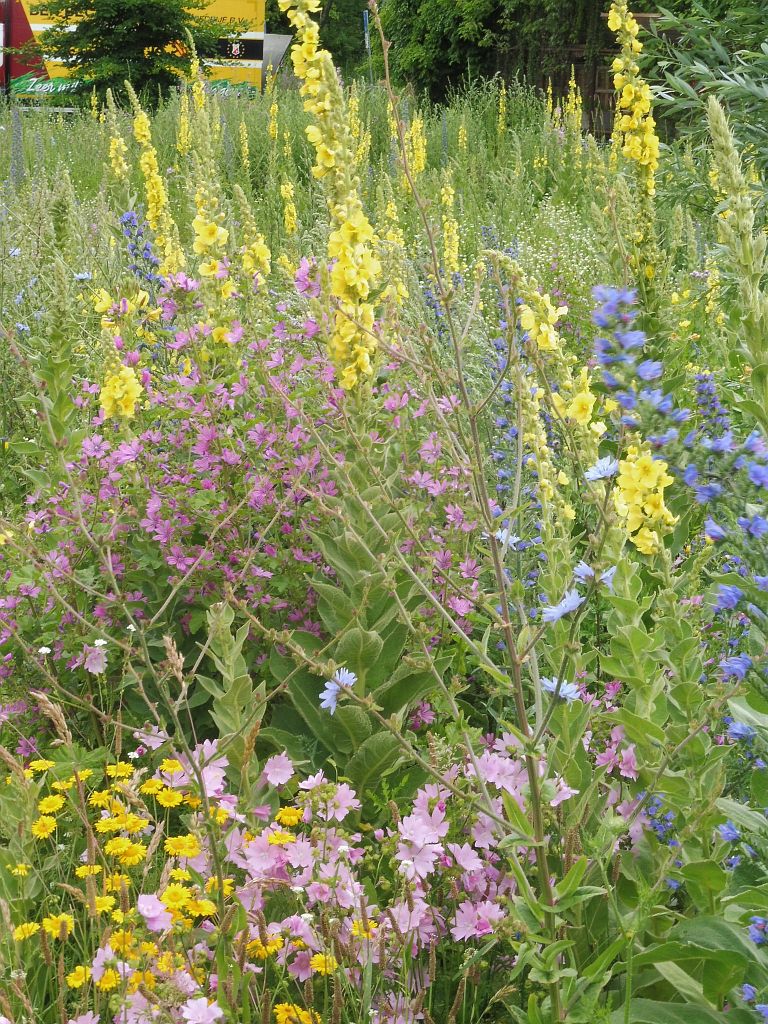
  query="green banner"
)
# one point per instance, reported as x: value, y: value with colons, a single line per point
x: 35, y: 85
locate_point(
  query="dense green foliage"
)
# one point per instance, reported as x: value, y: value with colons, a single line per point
x: 436, y: 44
x: 715, y: 48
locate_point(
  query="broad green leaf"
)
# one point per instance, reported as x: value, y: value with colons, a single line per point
x: 334, y: 607
x: 649, y: 1011
x: 707, y: 874
x: 353, y: 727
x: 378, y: 756
x: 304, y: 693
x: 404, y: 687
x: 744, y: 816
x: 358, y: 650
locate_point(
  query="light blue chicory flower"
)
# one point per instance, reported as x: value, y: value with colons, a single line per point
x: 507, y: 539
x: 342, y: 679
x: 602, y: 469
x: 583, y: 573
x: 554, y: 612
x: 568, y: 692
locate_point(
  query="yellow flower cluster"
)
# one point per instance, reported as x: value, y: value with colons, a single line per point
x: 272, y: 128
x: 158, y: 207
x: 119, y: 393
x: 451, y: 261
x: 351, y: 245
x: 392, y: 250
x: 209, y: 234
x: 638, y: 498
x: 501, y: 122
x: 184, y: 131
x: 245, y: 149
x: 117, y: 147
x: 463, y: 137
x: 289, y: 208
x: 117, y: 154
x: 539, y: 318
x: 198, y: 88
x: 323, y: 963
x: 255, y: 256
x: 416, y: 146
x: 635, y: 124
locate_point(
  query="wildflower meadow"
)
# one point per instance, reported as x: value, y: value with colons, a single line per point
x: 383, y: 558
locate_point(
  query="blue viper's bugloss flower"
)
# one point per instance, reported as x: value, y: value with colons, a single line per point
x: 748, y: 993
x: 739, y: 731
x: 757, y: 930
x: 729, y: 832
x: 727, y: 597
x: 736, y: 667
x: 712, y: 531
x: 758, y: 474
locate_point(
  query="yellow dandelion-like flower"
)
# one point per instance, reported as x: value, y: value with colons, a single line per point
x: 58, y: 926
x: 169, y: 798
x: 182, y: 846
x: 88, y: 870
x: 290, y: 1013
x: 278, y: 838
x: 323, y: 963
x: 175, y: 896
x: 289, y: 816
x: 78, y: 977
x: 44, y: 827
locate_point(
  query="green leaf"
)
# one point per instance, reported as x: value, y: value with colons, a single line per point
x: 638, y: 729
x: 679, y: 952
x: 684, y: 985
x: 753, y: 409
x: 378, y: 756
x: 573, y: 878
x: 706, y: 874
x: 334, y: 607
x: 649, y: 1011
x: 745, y: 817
x: 721, y: 936
x: 358, y: 649
x: 744, y: 710
x: 404, y: 687
x: 353, y: 727
x: 304, y: 693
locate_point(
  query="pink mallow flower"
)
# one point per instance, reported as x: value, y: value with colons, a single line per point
x: 156, y: 917
x: 474, y: 920
x: 200, y: 1011
x: 278, y: 769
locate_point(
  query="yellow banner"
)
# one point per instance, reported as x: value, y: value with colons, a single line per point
x: 237, y: 65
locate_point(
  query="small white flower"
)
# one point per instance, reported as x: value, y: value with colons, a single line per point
x: 307, y: 917
x: 343, y: 848
x: 131, y: 628
x: 132, y: 755
x: 43, y: 650
x: 99, y: 643
x: 297, y: 888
